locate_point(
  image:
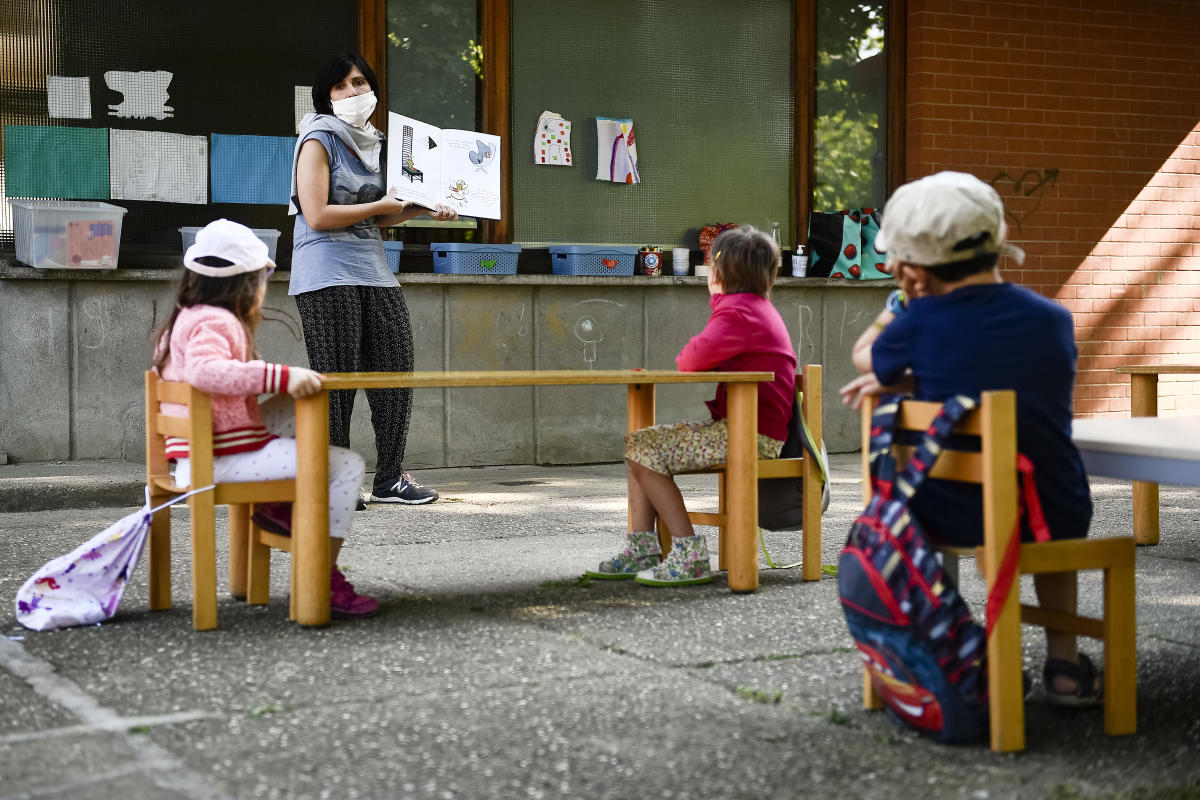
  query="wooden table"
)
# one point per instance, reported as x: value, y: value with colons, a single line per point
x: 310, y: 519
x: 1143, y: 402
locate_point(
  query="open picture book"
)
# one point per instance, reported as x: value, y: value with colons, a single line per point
x: 429, y: 165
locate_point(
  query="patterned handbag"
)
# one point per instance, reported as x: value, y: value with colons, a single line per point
x: 843, y: 245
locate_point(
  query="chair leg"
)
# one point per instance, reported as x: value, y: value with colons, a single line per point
x: 239, y: 542
x: 258, y: 569
x: 871, y: 699
x: 293, y: 611
x: 1006, y: 689
x: 1120, y: 651
x: 722, y: 538
x: 664, y: 536
x: 204, y: 562
x: 160, y: 558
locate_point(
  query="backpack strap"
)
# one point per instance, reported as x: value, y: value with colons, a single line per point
x: 811, y: 448
x: 927, y: 452
x: 883, y: 463
x: 1031, y: 510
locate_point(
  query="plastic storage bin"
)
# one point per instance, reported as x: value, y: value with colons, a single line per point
x: 575, y: 259
x: 392, y: 250
x: 268, y: 236
x: 462, y: 258
x: 67, y: 234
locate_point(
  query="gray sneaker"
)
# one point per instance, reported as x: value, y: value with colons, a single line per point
x: 406, y: 490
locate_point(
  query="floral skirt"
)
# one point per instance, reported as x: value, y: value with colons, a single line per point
x: 687, y: 446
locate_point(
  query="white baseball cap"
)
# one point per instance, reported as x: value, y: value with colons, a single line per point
x: 232, y: 242
x: 944, y: 218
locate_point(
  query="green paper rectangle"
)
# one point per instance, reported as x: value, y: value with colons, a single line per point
x: 56, y: 162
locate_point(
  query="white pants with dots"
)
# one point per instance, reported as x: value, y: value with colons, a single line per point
x: 277, y: 461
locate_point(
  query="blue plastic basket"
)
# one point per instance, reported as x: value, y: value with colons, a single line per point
x: 573, y: 259
x: 461, y: 258
x: 392, y: 250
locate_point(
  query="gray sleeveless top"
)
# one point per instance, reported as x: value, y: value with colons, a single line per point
x: 350, y: 256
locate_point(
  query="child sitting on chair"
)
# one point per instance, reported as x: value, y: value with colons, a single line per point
x: 963, y: 330
x: 744, y: 334
x: 208, y: 341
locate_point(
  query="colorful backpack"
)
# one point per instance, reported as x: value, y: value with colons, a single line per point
x: 926, y: 656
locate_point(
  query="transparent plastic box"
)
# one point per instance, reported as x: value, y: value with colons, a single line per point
x: 67, y: 234
x: 268, y: 236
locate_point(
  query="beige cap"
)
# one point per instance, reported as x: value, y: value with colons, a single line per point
x: 944, y: 218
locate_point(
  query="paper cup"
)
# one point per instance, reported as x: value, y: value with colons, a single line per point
x: 679, y: 260
x: 702, y: 270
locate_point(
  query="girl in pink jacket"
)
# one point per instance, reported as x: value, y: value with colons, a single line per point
x: 208, y: 341
x: 744, y: 334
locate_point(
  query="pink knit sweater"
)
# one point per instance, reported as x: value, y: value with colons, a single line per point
x: 209, y: 350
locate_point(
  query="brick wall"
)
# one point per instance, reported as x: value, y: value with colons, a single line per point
x: 1086, y: 117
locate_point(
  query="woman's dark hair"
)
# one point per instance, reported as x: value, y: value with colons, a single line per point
x: 333, y: 72
x: 236, y: 294
x: 745, y: 260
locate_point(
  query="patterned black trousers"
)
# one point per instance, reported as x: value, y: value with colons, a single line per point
x: 363, y: 329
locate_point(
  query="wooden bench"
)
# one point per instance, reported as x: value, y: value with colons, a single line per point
x: 995, y: 468
x: 310, y: 514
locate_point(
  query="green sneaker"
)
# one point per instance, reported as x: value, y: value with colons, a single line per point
x: 641, y: 552
x: 686, y: 564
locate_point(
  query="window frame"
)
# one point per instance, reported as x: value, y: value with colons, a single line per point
x: 495, y: 34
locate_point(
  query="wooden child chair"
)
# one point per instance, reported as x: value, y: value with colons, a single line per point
x: 995, y: 468
x: 249, y: 545
x: 808, y: 387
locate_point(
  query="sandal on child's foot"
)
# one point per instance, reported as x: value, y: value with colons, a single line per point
x: 641, y: 552
x: 1089, y: 683
x: 685, y: 565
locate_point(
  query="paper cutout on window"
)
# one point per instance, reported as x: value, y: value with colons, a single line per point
x: 616, y: 151
x: 68, y: 98
x: 150, y: 165
x: 302, y: 103
x: 56, y: 161
x: 552, y: 141
x: 251, y: 169
x: 145, y: 94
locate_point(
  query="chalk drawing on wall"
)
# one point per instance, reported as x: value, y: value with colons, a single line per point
x: 587, y: 329
x: 806, y: 346
x: 145, y: 94
x: 68, y: 98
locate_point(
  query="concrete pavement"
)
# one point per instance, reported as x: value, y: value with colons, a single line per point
x: 493, y: 672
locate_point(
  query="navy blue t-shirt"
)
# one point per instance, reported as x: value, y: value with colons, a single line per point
x: 994, y: 336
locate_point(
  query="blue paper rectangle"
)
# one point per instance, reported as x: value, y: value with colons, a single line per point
x: 251, y: 169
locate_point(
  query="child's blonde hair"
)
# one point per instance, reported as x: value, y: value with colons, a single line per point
x: 745, y: 260
x: 237, y: 294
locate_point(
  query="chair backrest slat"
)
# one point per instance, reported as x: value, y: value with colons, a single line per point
x: 173, y: 392
x: 173, y: 426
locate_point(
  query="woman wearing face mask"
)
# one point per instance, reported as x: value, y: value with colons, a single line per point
x: 351, y: 306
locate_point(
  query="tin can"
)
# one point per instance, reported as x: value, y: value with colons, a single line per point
x: 650, y: 261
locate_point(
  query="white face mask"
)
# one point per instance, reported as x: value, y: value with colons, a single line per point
x: 355, y: 110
